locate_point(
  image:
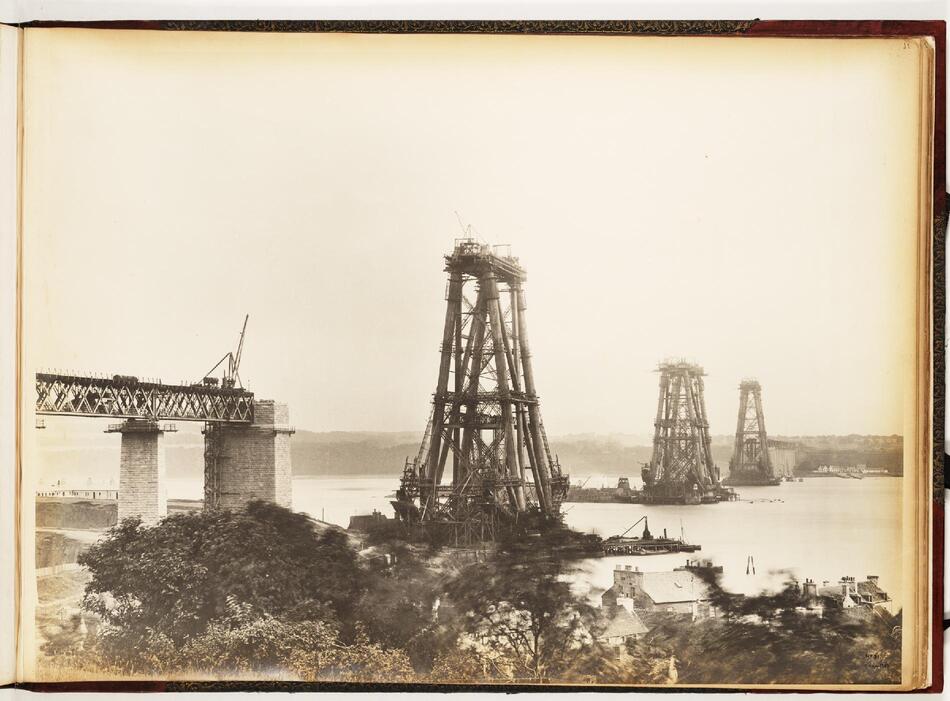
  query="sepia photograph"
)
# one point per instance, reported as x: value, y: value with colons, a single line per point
x: 477, y: 358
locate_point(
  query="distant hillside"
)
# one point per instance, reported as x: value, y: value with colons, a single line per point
x: 94, y: 457
x: 352, y: 453
x: 582, y: 458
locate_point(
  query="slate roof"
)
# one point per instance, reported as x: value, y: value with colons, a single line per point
x: 623, y: 624
x: 832, y: 591
x: 866, y: 592
x: 871, y: 591
x: 673, y: 587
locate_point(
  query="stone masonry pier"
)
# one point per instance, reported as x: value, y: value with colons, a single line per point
x: 142, y: 470
x: 247, y: 462
x: 243, y: 462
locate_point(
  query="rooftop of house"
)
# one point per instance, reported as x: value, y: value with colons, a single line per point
x: 871, y: 590
x: 623, y: 624
x: 673, y: 587
x: 832, y: 593
x: 868, y: 591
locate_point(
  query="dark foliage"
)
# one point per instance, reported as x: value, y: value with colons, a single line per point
x: 771, y: 639
x: 265, y: 591
x: 388, y: 532
x: 399, y: 610
x: 519, y: 620
x: 172, y: 580
x: 556, y: 541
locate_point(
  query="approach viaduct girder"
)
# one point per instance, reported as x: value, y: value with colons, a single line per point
x: 125, y: 397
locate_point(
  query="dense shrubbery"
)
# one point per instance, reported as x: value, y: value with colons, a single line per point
x: 399, y: 608
x: 768, y: 639
x: 248, y: 642
x: 266, y: 593
x: 522, y: 622
x: 159, y: 590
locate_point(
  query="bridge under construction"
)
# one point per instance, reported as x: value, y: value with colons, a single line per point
x: 486, y: 417
x: 247, y: 449
x: 681, y: 468
x: 751, y: 463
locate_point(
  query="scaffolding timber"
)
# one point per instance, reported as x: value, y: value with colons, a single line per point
x: 751, y: 464
x: 486, y: 419
x: 681, y: 469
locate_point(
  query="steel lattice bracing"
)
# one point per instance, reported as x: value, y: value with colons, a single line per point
x: 681, y: 469
x: 486, y: 421
x: 126, y: 398
x: 750, y: 463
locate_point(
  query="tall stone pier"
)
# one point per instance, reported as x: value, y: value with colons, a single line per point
x: 245, y: 463
x: 142, y: 470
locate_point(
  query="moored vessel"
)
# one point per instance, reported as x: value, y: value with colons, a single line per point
x: 623, y: 493
x: 646, y: 544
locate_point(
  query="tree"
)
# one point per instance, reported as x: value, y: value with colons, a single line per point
x: 769, y: 639
x: 646, y: 663
x: 519, y: 620
x: 247, y: 643
x: 156, y: 588
x: 399, y: 609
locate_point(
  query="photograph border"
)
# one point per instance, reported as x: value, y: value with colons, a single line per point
x: 935, y: 29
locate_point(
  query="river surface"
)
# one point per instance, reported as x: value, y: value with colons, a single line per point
x: 821, y: 528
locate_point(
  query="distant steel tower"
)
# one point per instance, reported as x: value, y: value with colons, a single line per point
x: 681, y: 470
x: 750, y: 464
x: 485, y: 416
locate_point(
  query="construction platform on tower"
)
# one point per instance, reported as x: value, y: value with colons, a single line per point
x: 486, y: 418
x: 681, y: 469
x: 751, y: 464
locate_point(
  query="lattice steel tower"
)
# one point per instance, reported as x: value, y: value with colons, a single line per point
x: 681, y: 469
x: 751, y: 464
x: 486, y: 420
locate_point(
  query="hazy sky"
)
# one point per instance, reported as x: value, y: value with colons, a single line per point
x: 747, y: 204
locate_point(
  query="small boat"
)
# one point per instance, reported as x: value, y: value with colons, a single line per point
x: 646, y: 544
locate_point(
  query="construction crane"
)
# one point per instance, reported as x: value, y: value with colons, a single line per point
x: 231, y: 377
x: 128, y: 397
x: 646, y: 528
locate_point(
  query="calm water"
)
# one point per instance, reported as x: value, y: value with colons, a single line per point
x: 821, y: 528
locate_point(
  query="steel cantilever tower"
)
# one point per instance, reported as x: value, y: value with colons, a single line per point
x: 486, y: 420
x: 751, y: 464
x: 681, y: 469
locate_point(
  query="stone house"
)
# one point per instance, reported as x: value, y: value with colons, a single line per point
x: 622, y: 625
x: 679, y: 591
x: 849, y: 593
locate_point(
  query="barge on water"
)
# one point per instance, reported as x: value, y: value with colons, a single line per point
x: 623, y: 493
x: 751, y: 479
x: 646, y: 544
x: 716, y: 494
